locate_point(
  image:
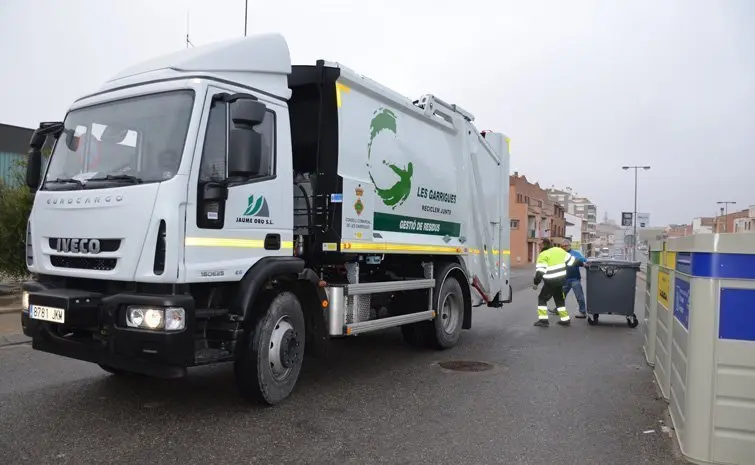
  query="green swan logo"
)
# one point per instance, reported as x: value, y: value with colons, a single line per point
x: 395, y: 195
x: 257, y: 207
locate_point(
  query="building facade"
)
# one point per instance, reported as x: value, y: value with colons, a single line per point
x: 533, y: 216
x: 578, y: 206
x: 726, y: 223
x: 574, y: 230
x: 14, y: 144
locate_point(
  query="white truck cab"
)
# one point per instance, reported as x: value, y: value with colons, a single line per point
x: 220, y: 205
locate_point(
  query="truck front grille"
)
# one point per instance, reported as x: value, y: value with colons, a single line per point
x: 106, y: 245
x: 83, y: 263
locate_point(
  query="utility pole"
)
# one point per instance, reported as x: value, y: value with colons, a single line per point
x: 246, y: 14
x: 188, y: 42
x: 634, y: 219
x: 725, y: 204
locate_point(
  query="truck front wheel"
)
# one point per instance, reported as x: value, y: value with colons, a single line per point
x: 271, y: 356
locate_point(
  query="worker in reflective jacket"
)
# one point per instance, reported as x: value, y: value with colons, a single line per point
x: 551, y: 270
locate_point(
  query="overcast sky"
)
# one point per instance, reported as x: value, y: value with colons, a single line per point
x: 581, y: 87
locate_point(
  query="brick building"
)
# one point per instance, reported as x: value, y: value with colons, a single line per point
x: 533, y: 217
x: 726, y: 223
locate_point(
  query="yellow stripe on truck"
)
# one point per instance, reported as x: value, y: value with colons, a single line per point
x: 495, y: 252
x: 377, y: 247
x: 233, y: 243
x: 363, y: 247
x: 340, y: 88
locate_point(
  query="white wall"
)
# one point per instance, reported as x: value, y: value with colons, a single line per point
x: 698, y: 228
x: 575, y: 232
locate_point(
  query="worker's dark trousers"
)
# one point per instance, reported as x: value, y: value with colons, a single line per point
x: 552, y: 289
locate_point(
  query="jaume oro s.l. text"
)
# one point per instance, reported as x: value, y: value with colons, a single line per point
x: 425, y: 193
x: 415, y: 225
x: 434, y: 209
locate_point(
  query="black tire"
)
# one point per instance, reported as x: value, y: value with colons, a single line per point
x: 633, y: 321
x: 592, y: 320
x: 415, y: 334
x: 271, y: 356
x: 449, y: 305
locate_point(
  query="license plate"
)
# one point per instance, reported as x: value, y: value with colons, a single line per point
x: 52, y: 314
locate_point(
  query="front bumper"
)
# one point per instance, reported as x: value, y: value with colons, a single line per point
x: 95, y: 330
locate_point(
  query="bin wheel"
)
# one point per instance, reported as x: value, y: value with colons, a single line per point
x: 592, y: 320
x: 633, y: 321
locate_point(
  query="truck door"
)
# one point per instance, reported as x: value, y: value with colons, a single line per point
x: 495, y: 179
x: 492, y: 186
x: 225, y: 237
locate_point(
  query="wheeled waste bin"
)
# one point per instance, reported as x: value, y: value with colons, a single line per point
x: 611, y: 287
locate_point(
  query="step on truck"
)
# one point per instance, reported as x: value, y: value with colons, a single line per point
x: 221, y: 205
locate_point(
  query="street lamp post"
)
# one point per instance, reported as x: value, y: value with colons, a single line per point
x: 246, y: 14
x: 725, y: 204
x: 634, y: 220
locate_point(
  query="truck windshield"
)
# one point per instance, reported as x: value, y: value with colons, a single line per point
x: 135, y: 140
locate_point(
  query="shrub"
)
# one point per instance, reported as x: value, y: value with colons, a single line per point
x: 15, y: 206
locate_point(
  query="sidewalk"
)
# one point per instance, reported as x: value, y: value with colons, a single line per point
x: 10, y: 328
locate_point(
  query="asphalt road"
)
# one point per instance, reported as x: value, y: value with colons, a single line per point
x: 578, y: 395
x: 521, y: 278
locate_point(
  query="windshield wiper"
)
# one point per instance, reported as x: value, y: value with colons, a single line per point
x: 65, y: 180
x: 118, y: 177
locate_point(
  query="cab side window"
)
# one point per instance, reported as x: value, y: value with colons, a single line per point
x: 214, y: 153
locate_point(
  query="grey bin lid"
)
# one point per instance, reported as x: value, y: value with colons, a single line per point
x: 602, y: 263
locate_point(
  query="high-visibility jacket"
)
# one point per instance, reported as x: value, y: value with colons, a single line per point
x: 551, y: 264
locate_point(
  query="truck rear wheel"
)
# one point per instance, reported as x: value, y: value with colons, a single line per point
x: 272, y: 354
x: 446, y: 327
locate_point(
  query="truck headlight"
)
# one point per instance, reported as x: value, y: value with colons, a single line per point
x: 156, y: 318
x: 25, y: 301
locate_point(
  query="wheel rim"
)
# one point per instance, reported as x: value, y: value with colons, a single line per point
x: 449, y: 313
x: 284, y: 351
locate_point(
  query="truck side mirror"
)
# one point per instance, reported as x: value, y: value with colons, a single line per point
x: 244, y: 143
x: 34, y: 162
x: 247, y: 112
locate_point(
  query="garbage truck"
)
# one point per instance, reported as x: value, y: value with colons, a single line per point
x: 219, y: 204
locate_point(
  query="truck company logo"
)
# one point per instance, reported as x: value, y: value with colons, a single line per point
x: 359, y: 205
x: 257, y: 211
x: 108, y: 199
x: 393, y: 184
x: 91, y: 246
x: 396, y: 194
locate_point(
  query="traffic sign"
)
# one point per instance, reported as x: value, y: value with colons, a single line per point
x: 626, y: 218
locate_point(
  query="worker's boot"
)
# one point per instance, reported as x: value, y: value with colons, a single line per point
x: 564, y: 322
x: 542, y: 323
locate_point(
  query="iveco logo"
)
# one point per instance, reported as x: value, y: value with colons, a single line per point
x: 108, y: 199
x: 78, y: 245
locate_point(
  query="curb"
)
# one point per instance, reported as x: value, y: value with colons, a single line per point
x: 11, y: 309
x: 13, y: 340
